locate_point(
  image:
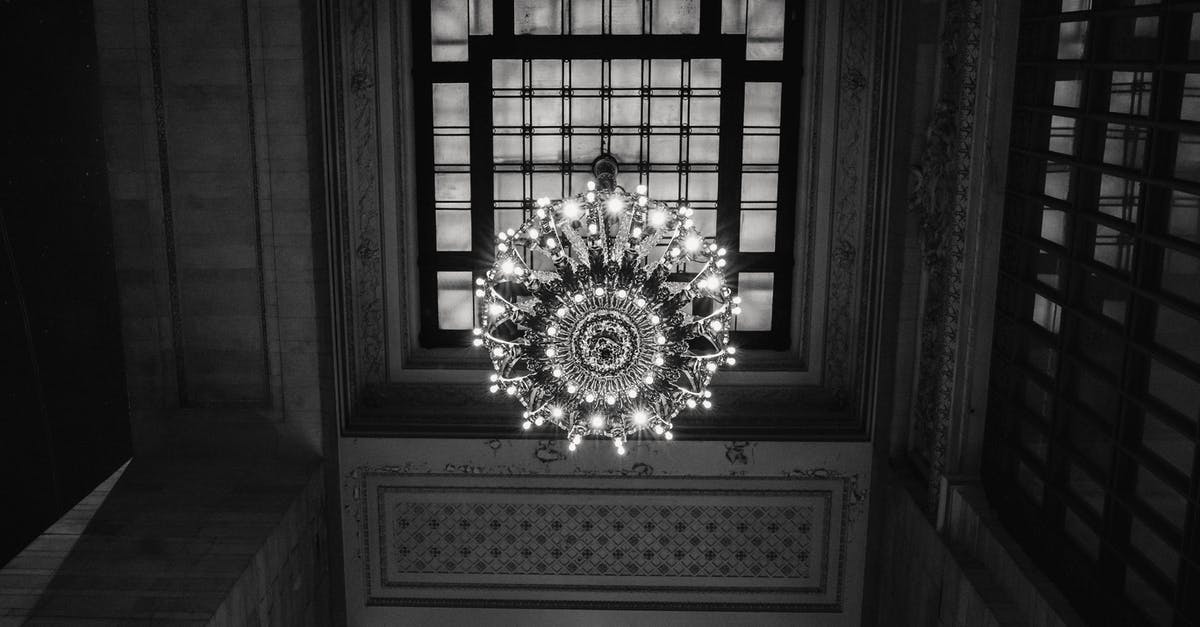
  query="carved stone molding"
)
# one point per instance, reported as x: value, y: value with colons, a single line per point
x: 942, y: 198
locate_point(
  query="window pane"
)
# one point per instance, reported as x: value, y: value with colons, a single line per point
x: 1183, y: 217
x: 1174, y: 389
x: 456, y: 309
x: 453, y: 229
x: 537, y: 17
x: 1120, y: 197
x: 1071, y: 38
x: 1130, y: 93
x: 764, y: 30
x: 757, y: 231
x: 757, y: 290
x: 1046, y: 313
x: 450, y: 105
x: 586, y: 17
x: 1162, y: 498
x: 763, y: 104
x: 674, y: 17
x: 760, y: 187
x: 733, y: 17
x: 448, y: 30
x: 1181, y: 275
x: 1187, y: 157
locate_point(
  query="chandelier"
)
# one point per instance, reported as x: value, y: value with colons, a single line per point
x: 606, y: 314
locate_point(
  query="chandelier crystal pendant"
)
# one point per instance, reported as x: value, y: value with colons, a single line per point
x: 587, y: 313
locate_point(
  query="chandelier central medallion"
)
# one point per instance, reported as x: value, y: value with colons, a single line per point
x: 606, y: 314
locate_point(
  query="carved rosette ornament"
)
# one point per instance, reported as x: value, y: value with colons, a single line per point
x: 606, y: 314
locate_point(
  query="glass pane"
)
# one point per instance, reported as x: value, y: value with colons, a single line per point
x: 1066, y: 89
x: 1071, y: 37
x: 537, y: 17
x: 626, y: 17
x: 1112, y: 248
x: 1147, y: 599
x: 675, y: 17
x: 452, y: 186
x: 448, y: 30
x: 765, y: 23
x: 1167, y: 443
x: 1162, y: 498
x: 1082, y: 535
x: 1131, y: 38
x: 760, y: 187
x: 1154, y: 548
x: 764, y: 101
x: 757, y: 290
x: 456, y: 308
x: 453, y: 227
x: 1189, y: 106
x: 481, y: 17
x: 1174, y: 389
x: 586, y: 17
x: 451, y: 150
x: 505, y: 219
x: 1054, y: 225
x: 1130, y: 93
x: 1119, y: 197
x: 1181, y: 274
x: 1046, y: 313
x: 702, y: 187
x: 1187, y: 157
x: 450, y: 105
x: 1125, y: 146
x: 1062, y: 134
x: 1178, y: 332
x: 757, y: 231
x: 760, y: 149
x: 733, y: 17
x: 1058, y: 180
x: 1183, y: 219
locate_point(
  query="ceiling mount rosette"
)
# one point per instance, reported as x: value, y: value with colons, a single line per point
x: 606, y: 314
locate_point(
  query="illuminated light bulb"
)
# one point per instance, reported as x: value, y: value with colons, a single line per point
x: 712, y: 366
x: 591, y: 196
x: 571, y: 446
x: 571, y: 388
x: 493, y: 388
x: 713, y: 282
x: 674, y: 252
x: 737, y: 300
x: 640, y: 302
x: 502, y: 247
x: 591, y: 185
x: 543, y: 201
x: 622, y: 294
x: 497, y: 352
x: 577, y: 439
x: 552, y: 330
x: 687, y: 224
x: 578, y: 298
x: 511, y: 232
x: 512, y: 389
x: 493, y: 377
x: 692, y: 243
x: 654, y: 319
x: 520, y: 271
x: 640, y: 417
x: 570, y: 210
x: 479, y: 293
x: 533, y: 233
x: 620, y: 450
x: 507, y: 266
x: 636, y: 231
x: 589, y: 397
x: 477, y: 331
x: 731, y: 361
x: 550, y: 243
x: 658, y: 360
x: 642, y: 201
x: 641, y: 189
x: 597, y: 421
x: 657, y: 218
x: 649, y: 379
x: 610, y: 399
x: 526, y: 425
x: 599, y: 291
x: 539, y: 421
x: 502, y: 236
x: 731, y: 350
x: 686, y: 210
x: 480, y: 281
x: 736, y: 311
x: 562, y: 311
x: 707, y: 393
x: 550, y: 352
x: 720, y: 263
x: 556, y: 412
x: 707, y: 404
x: 660, y: 339
x: 477, y: 341
x: 541, y: 213
x: 721, y: 252
x: 592, y: 229
x: 691, y: 403
x: 658, y: 429
x: 496, y: 309
x: 715, y: 325
x: 557, y: 372
x: 668, y: 435
x: 631, y: 392
x: 615, y: 204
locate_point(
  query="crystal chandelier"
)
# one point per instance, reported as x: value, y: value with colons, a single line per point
x: 587, y: 313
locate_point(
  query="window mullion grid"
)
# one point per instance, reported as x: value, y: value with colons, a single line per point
x: 1085, y: 187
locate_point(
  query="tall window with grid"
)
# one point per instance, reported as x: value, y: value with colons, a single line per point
x: 1092, y: 428
x: 516, y: 98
